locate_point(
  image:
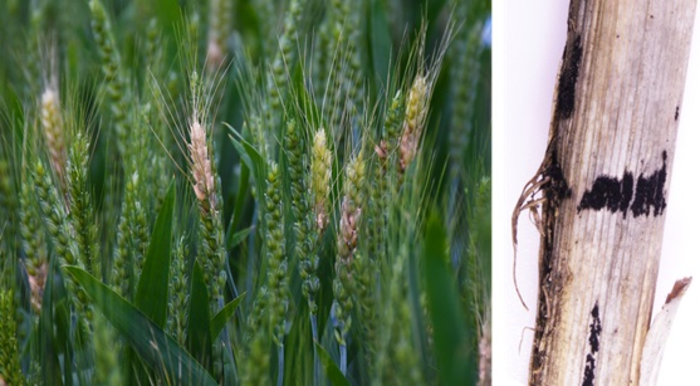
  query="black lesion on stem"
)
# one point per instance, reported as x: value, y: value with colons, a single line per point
x: 611, y: 193
x: 557, y: 188
x: 568, y: 76
x: 650, y: 192
x: 616, y: 194
x: 594, y: 341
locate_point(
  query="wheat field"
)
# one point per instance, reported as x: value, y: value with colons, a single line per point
x: 245, y: 192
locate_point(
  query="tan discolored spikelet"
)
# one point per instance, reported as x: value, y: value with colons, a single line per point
x: 52, y: 124
x: 37, y: 282
x: 219, y: 28
x: 416, y: 112
x: 348, y: 229
x: 201, y: 166
x: 351, y: 209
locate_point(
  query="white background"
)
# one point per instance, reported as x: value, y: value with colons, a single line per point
x: 529, y: 39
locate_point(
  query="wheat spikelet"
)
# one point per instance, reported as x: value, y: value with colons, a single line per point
x: 201, y: 167
x: 351, y: 210
x: 116, y: 82
x: 210, y: 223
x: 278, y: 277
x: 33, y: 243
x: 416, y: 112
x: 81, y: 208
x: 52, y: 123
x: 320, y: 178
x: 219, y: 28
x: 343, y: 285
x: 62, y: 235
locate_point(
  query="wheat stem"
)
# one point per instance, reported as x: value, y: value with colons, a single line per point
x: 10, y: 370
x: 343, y: 285
x: 179, y: 298
x: 277, y: 275
x: 257, y: 362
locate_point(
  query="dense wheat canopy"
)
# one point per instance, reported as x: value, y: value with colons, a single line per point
x: 244, y: 192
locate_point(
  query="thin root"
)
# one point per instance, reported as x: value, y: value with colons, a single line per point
x: 526, y: 201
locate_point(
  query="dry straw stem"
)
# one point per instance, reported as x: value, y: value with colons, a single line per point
x: 604, y: 182
x: 658, y: 333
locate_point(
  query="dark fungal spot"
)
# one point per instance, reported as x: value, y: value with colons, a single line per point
x: 589, y: 371
x: 606, y: 192
x: 557, y: 188
x: 566, y: 93
x: 678, y: 109
x: 616, y: 194
x: 610, y: 193
x: 650, y: 192
x: 595, y: 329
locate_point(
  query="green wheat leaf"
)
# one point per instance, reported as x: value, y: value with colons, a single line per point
x: 332, y: 371
x: 219, y: 320
x: 152, y: 293
x: 233, y: 239
x: 450, y: 339
x: 199, y: 340
x: 154, y: 347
